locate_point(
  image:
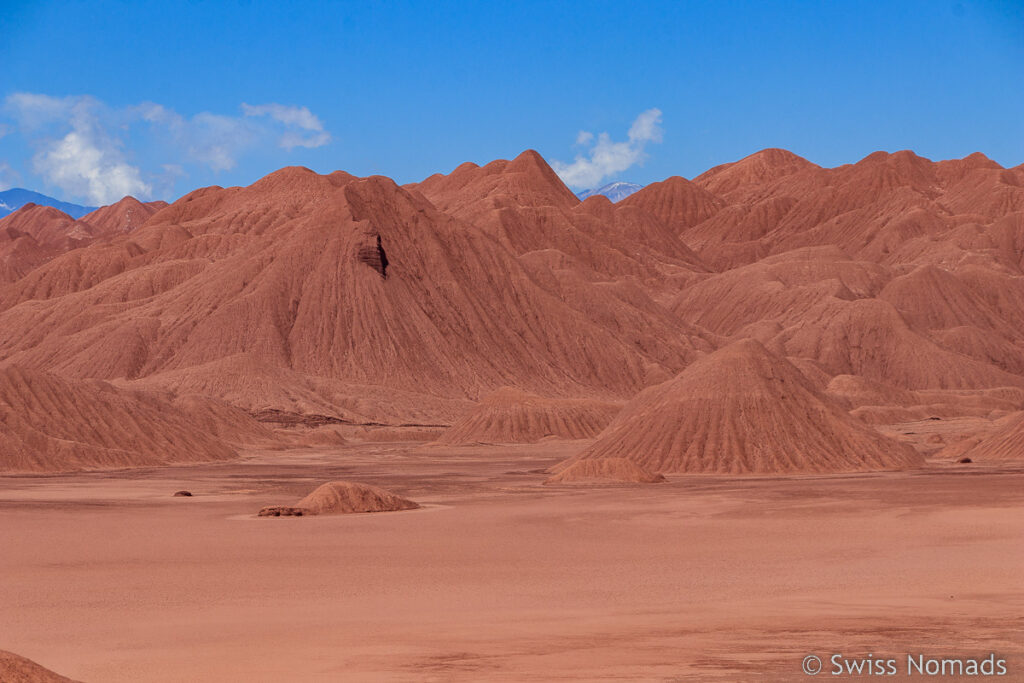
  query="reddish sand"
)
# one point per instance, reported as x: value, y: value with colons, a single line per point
x: 108, y: 578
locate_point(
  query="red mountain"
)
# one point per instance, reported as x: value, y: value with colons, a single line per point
x: 358, y: 300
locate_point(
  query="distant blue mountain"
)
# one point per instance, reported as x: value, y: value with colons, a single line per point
x: 613, y: 191
x: 15, y: 198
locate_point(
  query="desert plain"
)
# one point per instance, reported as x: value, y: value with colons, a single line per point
x: 107, y: 577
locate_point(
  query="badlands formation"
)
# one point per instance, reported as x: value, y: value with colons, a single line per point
x: 647, y: 439
x: 494, y: 306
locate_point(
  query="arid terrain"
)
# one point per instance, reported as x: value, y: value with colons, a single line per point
x: 107, y: 577
x: 698, y: 434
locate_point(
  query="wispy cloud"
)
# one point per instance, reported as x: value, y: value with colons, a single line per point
x: 310, y: 131
x: 212, y: 140
x: 8, y: 176
x: 83, y: 146
x: 604, y: 158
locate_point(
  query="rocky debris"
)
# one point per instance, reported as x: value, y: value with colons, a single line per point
x: 281, y: 511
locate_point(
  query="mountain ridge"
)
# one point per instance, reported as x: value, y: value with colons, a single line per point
x: 16, y: 197
x: 615, y: 191
x: 372, y: 303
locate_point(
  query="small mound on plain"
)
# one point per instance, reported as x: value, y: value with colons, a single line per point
x: 743, y: 410
x: 513, y: 416
x: 345, y: 497
x: 599, y: 470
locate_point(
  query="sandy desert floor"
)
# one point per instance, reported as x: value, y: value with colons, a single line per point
x: 106, y: 577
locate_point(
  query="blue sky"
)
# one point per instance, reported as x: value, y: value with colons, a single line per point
x: 156, y: 98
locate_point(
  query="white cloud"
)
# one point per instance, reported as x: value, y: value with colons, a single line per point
x: 8, y: 176
x: 646, y: 127
x: 311, y: 133
x: 87, y: 165
x: 81, y: 143
x: 86, y: 161
x: 605, y: 158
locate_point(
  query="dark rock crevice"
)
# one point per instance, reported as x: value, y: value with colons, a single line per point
x: 374, y: 256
